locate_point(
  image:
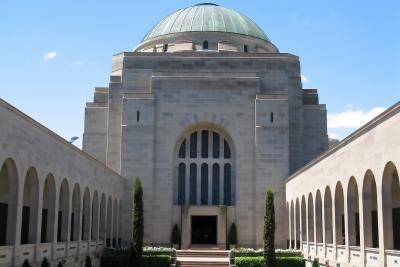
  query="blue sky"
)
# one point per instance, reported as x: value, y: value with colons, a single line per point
x: 53, y: 53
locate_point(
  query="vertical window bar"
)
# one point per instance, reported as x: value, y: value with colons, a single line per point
x: 204, y: 144
x: 193, y: 145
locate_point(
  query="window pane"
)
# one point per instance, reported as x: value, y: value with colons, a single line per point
x: 215, y: 145
x: 215, y: 185
x: 181, y: 184
x: 227, y: 184
x: 182, y: 150
x: 193, y: 183
x: 204, y: 144
x: 227, y: 150
x: 193, y: 145
x: 204, y: 184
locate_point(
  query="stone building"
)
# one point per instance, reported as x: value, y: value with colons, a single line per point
x: 209, y: 114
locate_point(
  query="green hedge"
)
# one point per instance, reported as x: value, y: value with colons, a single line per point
x: 250, y: 252
x: 123, y: 261
x: 147, y: 251
x: 260, y: 262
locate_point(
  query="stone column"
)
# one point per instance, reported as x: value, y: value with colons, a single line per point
x: 346, y: 225
x: 295, y: 225
x: 362, y: 230
x: 381, y: 232
x: 290, y: 226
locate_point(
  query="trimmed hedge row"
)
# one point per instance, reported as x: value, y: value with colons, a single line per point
x: 249, y: 252
x: 123, y: 261
x: 260, y: 262
x: 147, y: 251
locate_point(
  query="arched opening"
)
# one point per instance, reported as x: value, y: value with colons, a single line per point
x: 48, y: 210
x: 109, y: 221
x: 76, y: 213
x: 391, y: 207
x: 120, y: 224
x: 102, y: 233
x: 86, y: 215
x: 193, y: 184
x: 310, y: 224
x: 205, y: 45
x: 339, y: 215
x: 215, y: 184
x: 115, y: 223
x: 8, y: 202
x: 204, y: 184
x: 328, y: 216
x: 205, y: 170
x: 353, y: 213
x: 30, y: 207
x: 318, y: 217
x: 63, y: 212
x: 303, y: 219
x: 292, y: 225
x: 227, y: 184
x: 95, y: 217
x: 297, y: 224
x: 370, y: 212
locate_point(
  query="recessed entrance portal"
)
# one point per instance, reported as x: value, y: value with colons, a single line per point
x: 204, y: 230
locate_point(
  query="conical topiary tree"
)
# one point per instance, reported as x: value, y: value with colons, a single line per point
x: 60, y: 264
x: 315, y: 263
x: 45, y: 263
x: 233, y: 235
x: 88, y: 262
x: 26, y: 264
x: 137, y: 221
x: 175, y: 235
x: 269, y: 229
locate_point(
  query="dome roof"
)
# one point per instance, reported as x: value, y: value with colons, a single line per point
x: 206, y: 17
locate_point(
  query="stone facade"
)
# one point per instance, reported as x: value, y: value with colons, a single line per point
x: 254, y: 97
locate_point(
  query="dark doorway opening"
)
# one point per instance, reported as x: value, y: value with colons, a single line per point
x: 204, y: 230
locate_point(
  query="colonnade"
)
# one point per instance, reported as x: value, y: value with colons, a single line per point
x: 356, y: 221
x: 55, y: 211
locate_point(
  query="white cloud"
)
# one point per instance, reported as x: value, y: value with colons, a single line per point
x: 334, y: 136
x: 352, y: 118
x: 50, y: 55
x: 304, y: 79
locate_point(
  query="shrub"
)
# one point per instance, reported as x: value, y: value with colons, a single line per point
x: 137, y: 220
x: 250, y: 252
x: 45, y: 263
x: 233, y: 235
x: 26, y: 264
x: 315, y: 263
x: 175, y: 235
x: 269, y: 229
x: 60, y: 264
x: 88, y: 262
x: 260, y: 262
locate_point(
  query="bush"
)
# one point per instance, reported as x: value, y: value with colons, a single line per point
x: 315, y: 263
x: 260, y: 262
x: 147, y: 251
x: 175, y: 235
x: 250, y: 252
x: 137, y: 220
x: 60, y: 264
x: 26, y: 264
x: 233, y: 235
x: 45, y: 263
x: 124, y: 261
x: 269, y: 229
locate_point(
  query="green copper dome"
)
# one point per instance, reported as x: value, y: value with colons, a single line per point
x: 206, y: 18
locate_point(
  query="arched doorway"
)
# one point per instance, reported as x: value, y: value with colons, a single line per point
x: 86, y: 215
x: 48, y: 210
x: 339, y: 215
x: 63, y: 212
x: 30, y: 207
x: 318, y: 217
x: 95, y: 216
x: 353, y: 213
x: 310, y: 223
x: 370, y: 211
x: 76, y: 213
x: 328, y: 216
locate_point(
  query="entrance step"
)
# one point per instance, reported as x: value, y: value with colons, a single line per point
x: 202, y: 258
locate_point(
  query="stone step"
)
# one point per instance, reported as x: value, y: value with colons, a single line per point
x: 203, y: 253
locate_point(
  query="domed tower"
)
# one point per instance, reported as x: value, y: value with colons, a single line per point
x: 209, y: 114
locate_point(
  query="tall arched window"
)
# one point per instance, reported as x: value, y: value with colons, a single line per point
x: 204, y: 170
x: 205, y: 45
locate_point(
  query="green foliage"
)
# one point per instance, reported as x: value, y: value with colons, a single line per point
x: 124, y: 261
x: 45, y: 263
x: 88, y: 262
x: 137, y: 220
x: 147, y: 251
x: 251, y: 252
x: 60, y: 264
x: 175, y: 235
x: 260, y: 262
x: 233, y: 235
x: 269, y: 229
x: 26, y: 264
x: 315, y: 263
